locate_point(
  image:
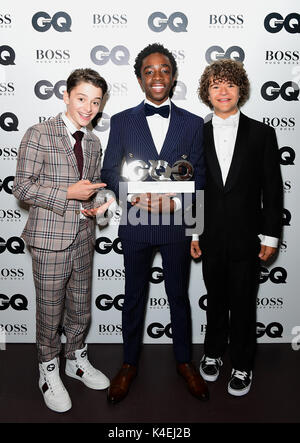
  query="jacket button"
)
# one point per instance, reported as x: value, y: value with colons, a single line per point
x: 77, y: 211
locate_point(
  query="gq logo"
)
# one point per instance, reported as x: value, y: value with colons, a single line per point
x: 18, y: 302
x: 177, y: 22
x: 101, y: 122
x: 156, y: 275
x: 286, y: 218
x: 7, y: 55
x: 61, y: 21
x: 273, y: 330
x: 217, y: 53
x: 104, y: 245
x: 289, y: 91
x: 274, y: 23
x: 9, y: 122
x: 287, y: 156
x: 119, y: 55
x: 5, y: 184
x: 179, y: 91
x: 44, y: 89
x: 203, y: 302
x: 276, y: 275
x: 105, y: 302
x: 14, y: 245
x: 157, y: 330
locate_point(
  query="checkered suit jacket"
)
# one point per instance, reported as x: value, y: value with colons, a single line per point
x: 46, y: 167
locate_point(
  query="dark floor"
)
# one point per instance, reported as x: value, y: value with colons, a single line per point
x: 158, y: 395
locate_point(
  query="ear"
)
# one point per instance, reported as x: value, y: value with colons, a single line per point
x: 66, y: 98
x: 141, y: 83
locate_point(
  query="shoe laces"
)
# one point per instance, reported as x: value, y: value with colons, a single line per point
x: 242, y: 375
x: 212, y: 361
x: 54, y: 382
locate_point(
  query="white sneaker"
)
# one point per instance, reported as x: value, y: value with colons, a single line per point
x: 82, y: 370
x: 210, y: 368
x: 55, y: 394
x: 240, y: 382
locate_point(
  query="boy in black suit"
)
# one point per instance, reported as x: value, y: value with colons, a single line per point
x: 242, y: 220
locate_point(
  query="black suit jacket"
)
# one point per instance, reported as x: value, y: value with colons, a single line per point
x: 250, y: 202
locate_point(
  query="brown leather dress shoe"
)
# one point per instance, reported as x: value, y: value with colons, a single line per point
x: 196, y: 385
x: 120, y: 385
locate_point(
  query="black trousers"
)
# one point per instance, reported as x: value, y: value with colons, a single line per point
x: 231, y: 308
x: 138, y: 259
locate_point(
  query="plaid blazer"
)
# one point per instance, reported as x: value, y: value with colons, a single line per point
x: 46, y: 167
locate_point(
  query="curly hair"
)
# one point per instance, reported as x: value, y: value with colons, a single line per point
x: 151, y: 49
x: 228, y: 71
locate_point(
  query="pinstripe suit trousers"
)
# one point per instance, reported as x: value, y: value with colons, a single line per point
x: 63, y: 293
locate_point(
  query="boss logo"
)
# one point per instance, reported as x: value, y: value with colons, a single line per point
x: 42, y: 118
x: 105, y: 302
x: 217, y: 53
x: 179, y: 91
x: 7, y: 88
x: 10, y: 214
x: 8, y: 153
x: 274, y: 23
x: 276, y: 275
x: 272, y: 302
x: 117, y: 89
x: 156, y: 275
x: 177, y: 22
x: 287, y: 216
x: 119, y: 55
x: 179, y: 55
x: 283, y: 123
x: 101, y: 122
x: 7, y: 55
x: 287, y: 186
x: 109, y: 19
x: 283, y: 246
x: 203, y: 302
x: 279, y: 56
x: 7, y: 184
x: 11, y: 273
x: 104, y: 245
x: 18, y: 329
x: 289, y: 91
x: 53, y: 54
x: 14, y: 245
x: 287, y: 156
x: 110, y: 329
x: 226, y: 19
x: 45, y: 89
x: 273, y: 330
x: 5, y: 19
x: 9, y: 122
x: 61, y: 21
x: 111, y: 273
x: 18, y: 302
x: 158, y: 303
x: 157, y: 330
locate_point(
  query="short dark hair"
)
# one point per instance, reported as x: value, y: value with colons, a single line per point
x: 152, y: 49
x: 224, y: 70
x: 88, y: 76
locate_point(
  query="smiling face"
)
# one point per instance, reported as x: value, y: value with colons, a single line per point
x: 224, y: 97
x: 156, y: 77
x: 83, y: 103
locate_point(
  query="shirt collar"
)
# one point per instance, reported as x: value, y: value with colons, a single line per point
x: 232, y: 120
x: 166, y: 103
x: 70, y: 125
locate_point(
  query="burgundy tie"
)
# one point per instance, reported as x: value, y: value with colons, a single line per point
x: 78, y: 150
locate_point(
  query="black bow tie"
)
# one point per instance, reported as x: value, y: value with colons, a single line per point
x: 164, y: 111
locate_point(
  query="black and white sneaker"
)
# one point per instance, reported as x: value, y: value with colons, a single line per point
x: 209, y: 368
x: 240, y: 382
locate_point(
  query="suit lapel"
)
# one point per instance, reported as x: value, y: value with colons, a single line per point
x: 238, y: 153
x: 143, y: 134
x: 211, y: 155
x: 174, y: 132
x: 88, y: 146
x: 64, y: 140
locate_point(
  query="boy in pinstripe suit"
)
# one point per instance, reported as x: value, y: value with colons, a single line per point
x: 58, y: 172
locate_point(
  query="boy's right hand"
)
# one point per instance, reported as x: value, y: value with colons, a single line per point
x: 83, y: 190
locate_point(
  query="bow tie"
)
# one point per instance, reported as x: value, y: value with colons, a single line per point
x: 164, y: 111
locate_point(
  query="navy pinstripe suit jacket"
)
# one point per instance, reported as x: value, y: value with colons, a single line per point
x: 130, y: 139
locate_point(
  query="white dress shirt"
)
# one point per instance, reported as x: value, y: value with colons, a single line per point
x: 71, y: 128
x: 225, y: 132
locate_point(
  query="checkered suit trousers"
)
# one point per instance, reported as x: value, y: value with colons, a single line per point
x: 63, y: 294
